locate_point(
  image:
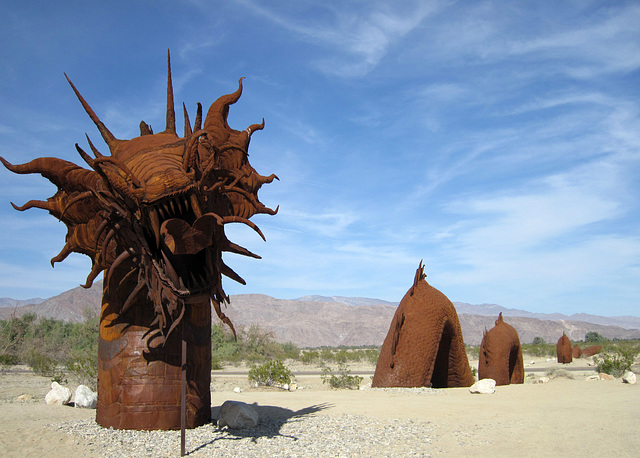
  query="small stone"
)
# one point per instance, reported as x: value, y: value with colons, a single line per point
x: 59, y: 395
x: 285, y: 387
x: 85, y: 398
x: 592, y: 378
x: 237, y: 415
x: 629, y: 377
x: 24, y: 397
x: 604, y: 376
x: 237, y: 390
x: 542, y: 380
x: 484, y: 386
x: 293, y: 387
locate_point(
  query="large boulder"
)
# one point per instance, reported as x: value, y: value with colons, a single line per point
x: 85, y: 398
x: 59, y: 395
x: 424, y: 345
x: 629, y: 377
x: 237, y: 415
x: 484, y: 386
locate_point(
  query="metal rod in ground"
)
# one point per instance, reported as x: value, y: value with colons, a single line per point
x: 183, y: 396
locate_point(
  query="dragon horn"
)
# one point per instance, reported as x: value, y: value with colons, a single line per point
x: 108, y: 137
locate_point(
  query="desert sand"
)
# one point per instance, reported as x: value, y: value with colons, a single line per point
x: 564, y: 417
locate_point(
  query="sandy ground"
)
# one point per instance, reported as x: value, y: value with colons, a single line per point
x: 565, y: 417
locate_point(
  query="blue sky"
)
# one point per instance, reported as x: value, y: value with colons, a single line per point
x: 497, y: 141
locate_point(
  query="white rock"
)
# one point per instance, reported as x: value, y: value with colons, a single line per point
x: 293, y: 386
x: 629, y: 377
x: 85, y: 398
x: 59, y: 395
x: 604, y: 376
x: 542, y: 380
x: 237, y: 390
x: 592, y: 378
x: 237, y: 415
x: 484, y: 386
x: 285, y: 386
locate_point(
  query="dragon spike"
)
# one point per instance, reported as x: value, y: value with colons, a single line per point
x: 219, y: 110
x: 252, y: 128
x: 95, y: 151
x: 84, y: 156
x: 95, y: 271
x: 171, y: 114
x: 198, y: 124
x: 187, y: 123
x: 106, y: 134
x: 63, y: 174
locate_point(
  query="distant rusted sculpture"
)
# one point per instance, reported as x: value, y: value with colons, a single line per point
x: 151, y: 216
x: 590, y: 351
x: 563, y: 349
x: 576, y: 351
x: 424, y: 346
x: 501, y: 355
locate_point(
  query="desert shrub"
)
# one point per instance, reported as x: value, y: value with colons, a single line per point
x: 309, y: 356
x: 290, y: 350
x: 45, y: 366
x: 326, y: 355
x: 594, y: 338
x: 342, y: 379
x: 540, y: 349
x: 271, y: 373
x: 9, y: 360
x: 617, y: 362
x: 371, y: 355
x: 559, y: 373
x: 473, y: 351
x: 341, y: 356
x: 538, y: 341
x: 259, y: 345
x: 84, y: 369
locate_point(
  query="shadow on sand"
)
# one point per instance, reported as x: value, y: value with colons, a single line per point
x: 272, y: 418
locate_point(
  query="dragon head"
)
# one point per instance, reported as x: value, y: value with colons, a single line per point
x: 155, y: 208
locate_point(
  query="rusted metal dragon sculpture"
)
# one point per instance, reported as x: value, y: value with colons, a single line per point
x: 151, y: 216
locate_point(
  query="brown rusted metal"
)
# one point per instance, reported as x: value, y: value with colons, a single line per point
x: 151, y: 216
x: 424, y: 345
x: 500, y: 356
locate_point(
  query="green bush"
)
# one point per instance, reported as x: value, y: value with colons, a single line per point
x: 594, y: 338
x: 619, y: 361
x: 342, y: 379
x: 85, y: 369
x: 271, y: 373
x: 372, y: 355
x: 473, y: 351
x: 309, y: 356
x: 540, y: 349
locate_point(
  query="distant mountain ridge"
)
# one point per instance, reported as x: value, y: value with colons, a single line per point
x: 314, y: 321
x: 626, y: 322
x: 8, y: 302
x: 354, y: 301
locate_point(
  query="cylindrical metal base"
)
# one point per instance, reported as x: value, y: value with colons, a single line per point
x: 139, y: 388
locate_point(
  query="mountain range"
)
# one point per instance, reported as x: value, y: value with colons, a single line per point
x: 313, y: 321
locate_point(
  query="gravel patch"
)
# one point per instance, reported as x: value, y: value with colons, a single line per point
x: 303, y: 435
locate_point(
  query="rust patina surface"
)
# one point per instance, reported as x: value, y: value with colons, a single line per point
x: 151, y: 215
x: 564, y: 350
x: 501, y: 355
x: 424, y: 345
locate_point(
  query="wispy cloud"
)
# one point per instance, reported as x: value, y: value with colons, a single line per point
x: 357, y: 40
